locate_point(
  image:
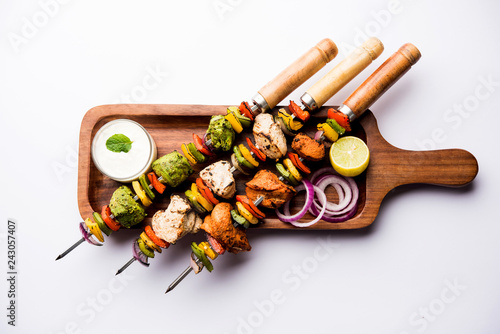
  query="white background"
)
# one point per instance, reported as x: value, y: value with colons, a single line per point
x: 393, y: 277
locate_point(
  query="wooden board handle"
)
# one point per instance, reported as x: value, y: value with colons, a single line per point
x: 448, y: 167
x: 382, y: 79
x: 345, y: 71
x: 298, y: 72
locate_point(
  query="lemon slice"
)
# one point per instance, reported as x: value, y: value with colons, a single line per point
x: 349, y: 156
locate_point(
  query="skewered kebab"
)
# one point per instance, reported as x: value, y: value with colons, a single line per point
x: 316, y: 96
x: 267, y: 98
x: 268, y: 134
x: 382, y: 79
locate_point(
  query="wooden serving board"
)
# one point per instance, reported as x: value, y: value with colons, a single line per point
x: 173, y: 125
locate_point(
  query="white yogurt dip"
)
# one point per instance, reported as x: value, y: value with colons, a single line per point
x: 121, y: 166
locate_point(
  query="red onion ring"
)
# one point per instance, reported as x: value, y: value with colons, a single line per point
x: 322, y: 198
x: 308, y: 202
x: 87, y: 236
x: 139, y: 255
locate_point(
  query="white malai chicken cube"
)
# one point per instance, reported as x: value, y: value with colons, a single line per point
x: 269, y: 137
x: 176, y: 221
x: 219, y: 179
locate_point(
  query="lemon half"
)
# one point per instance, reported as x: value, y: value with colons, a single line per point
x: 349, y: 156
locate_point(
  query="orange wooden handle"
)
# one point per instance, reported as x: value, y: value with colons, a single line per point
x: 298, y: 72
x: 382, y: 79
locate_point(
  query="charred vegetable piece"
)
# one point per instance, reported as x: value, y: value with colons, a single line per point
x: 245, y: 110
x: 110, y: 222
x: 145, y: 185
x: 235, y: 122
x: 197, y: 154
x: 245, y: 213
x: 241, y: 159
x: 151, y: 234
x: 291, y: 168
x: 194, y: 202
x: 299, y: 164
x: 198, y: 143
x: 246, y: 154
x: 335, y: 126
x: 102, y: 225
x: 206, y: 192
x: 141, y: 194
x: 340, y: 118
x: 188, y: 154
x: 239, y: 219
x: 159, y: 187
x: 283, y: 172
x: 200, y: 199
x: 94, y: 229
x: 205, y: 246
x: 236, y: 164
x: 328, y: 132
x: 147, y: 240
x: 250, y: 206
x: 291, y: 124
x: 145, y: 249
x: 200, y: 254
x: 245, y: 121
x: 298, y: 112
x: 255, y: 150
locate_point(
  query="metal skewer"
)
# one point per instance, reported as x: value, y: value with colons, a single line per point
x: 70, y: 249
x: 188, y: 270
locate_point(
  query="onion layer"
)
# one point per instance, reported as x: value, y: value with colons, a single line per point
x: 345, y: 209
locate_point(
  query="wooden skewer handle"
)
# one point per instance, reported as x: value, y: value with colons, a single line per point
x: 298, y: 72
x: 382, y: 79
x: 345, y: 71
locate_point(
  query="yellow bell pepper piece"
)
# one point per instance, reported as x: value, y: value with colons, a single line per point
x: 292, y: 169
x: 188, y: 154
x: 147, y: 240
x: 290, y: 122
x: 94, y: 229
x: 328, y: 132
x: 235, y: 122
x: 199, y: 197
x: 246, y: 214
x: 141, y: 193
x: 247, y: 155
x: 205, y: 246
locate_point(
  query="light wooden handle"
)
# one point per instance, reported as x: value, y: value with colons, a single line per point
x: 382, y: 79
x: 298, y: 72
x: 345, y: 71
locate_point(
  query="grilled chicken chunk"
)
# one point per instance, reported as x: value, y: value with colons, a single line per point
x: 269, y: 137
x: 219, y: 225
x: 267, y: 184
x: 308, y: 148
x: 176, y: 221
x: 220, y: 179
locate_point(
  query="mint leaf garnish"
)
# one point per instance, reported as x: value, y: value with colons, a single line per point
x: 119, y: 143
